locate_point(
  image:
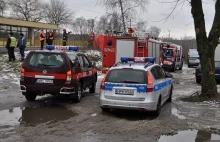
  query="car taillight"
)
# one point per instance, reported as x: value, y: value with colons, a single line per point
x: 102, y: 87
x: 22, y: 74
x: 150, y: 86
x: 68, y: 76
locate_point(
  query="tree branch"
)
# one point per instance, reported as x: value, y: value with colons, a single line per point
x: 215, y: 30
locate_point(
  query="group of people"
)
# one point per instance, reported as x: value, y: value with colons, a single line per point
x: 50, y: 37
x: 22, y: 43
x: 12, y: 43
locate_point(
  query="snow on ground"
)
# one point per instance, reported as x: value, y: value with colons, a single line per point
x: 93, y: 53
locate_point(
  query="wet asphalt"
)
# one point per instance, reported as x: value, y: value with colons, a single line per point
x: 55, y: 118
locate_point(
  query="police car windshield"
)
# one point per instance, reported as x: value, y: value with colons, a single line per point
x: 49, y: 60
x: 126, y: 76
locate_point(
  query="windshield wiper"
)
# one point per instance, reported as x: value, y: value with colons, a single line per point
x: 45, y: 65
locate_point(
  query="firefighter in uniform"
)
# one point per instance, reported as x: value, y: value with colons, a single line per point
x: 11, y: 44
x: 65, y: 37
x: 42, y: 39
x: 51, y: 38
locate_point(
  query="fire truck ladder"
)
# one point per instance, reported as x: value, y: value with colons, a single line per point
x: 141, y: 48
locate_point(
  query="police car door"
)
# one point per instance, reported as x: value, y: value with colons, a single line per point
x: 161, y: 81
x: 166, y: 84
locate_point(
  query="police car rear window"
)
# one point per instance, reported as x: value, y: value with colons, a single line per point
x: 46, y: 60
x: 126, y: 76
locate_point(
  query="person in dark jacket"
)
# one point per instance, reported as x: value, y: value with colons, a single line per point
x: 51, y: 38
x: 65, y: 37
x: 22, y: 42
x: 11, y: 44
x: 47, y: 37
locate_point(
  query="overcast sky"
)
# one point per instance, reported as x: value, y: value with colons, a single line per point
x: 180, y: 24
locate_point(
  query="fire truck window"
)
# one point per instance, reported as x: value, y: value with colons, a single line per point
x: 80, y: 59
x: 168, y: 52
x: 86, y: 61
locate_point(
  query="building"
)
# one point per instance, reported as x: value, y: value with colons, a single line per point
x: 20, y: 26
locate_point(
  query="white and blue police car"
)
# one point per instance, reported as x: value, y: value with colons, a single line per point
x: 136, y: 83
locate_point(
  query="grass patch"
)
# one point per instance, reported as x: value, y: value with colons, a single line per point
x: 200, y: 98
x: 4, y: 87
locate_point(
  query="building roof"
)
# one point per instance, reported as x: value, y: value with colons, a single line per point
x: 29, y: 24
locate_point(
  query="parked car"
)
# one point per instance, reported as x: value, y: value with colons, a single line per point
x: 140, y: 86
x: 57, y: 72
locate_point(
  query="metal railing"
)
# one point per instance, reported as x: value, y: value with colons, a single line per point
x: 36, y: 43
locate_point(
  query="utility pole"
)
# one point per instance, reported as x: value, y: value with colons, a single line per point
x: 169, y: 34
x: 130, y: 23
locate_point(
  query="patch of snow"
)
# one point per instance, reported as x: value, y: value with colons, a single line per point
x: 175, y: 112
x: 93, y: 52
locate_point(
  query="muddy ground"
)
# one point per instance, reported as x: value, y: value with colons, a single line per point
x: 56, y: 119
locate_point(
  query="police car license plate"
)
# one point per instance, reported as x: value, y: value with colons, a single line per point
x: 45, y: 81
x: 124, y: 91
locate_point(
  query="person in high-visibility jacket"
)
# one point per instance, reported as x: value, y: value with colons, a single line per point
x: 42, y: 39
x: 51, y: 38
x: 11, y: 44
x: 22, y: 42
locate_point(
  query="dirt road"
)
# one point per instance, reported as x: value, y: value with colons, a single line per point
x: 57, y: 119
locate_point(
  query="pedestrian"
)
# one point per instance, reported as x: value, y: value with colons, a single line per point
x: 65, y: 36
x: 11, y: 44
x: 50, y: 42
x: 22, y: 42
x: 42, y: 39
x: 47, y: 37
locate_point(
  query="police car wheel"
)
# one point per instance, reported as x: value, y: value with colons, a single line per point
x: 157, y: 112
x: 77, y: 96
x: 30, y: 97
x: 170, y: 95
x: 105, y: 109
x: 92, y: 88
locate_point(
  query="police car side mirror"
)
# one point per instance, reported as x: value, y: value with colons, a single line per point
x: 168, y: 75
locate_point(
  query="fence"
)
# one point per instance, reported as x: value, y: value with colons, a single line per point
x: 36, y: 43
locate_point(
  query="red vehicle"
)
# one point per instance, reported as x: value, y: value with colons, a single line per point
x: 115, y: 47
x: 172, y: 56
x: 57, y: 73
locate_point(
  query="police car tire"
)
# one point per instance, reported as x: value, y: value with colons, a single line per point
x: 170, y: 95
x: 105, y: 109
x: 92, y: 88
x: 76, y: 98
x: 30, y: 97
x: 157, y: 112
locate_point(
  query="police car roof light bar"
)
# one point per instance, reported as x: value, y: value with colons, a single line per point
x: 71, y: 48
x: 138, y: 59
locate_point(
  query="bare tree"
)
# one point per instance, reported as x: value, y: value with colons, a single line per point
x: 91, y: 24
x: 80, y: 26
x: 141, y: 26
x: 102, y: 24
x: 126, y: 7
x: 155, y: 31
x: 3, y: 7
x: 29, y: 10
x: 57, y: 12
x: 206, y: 44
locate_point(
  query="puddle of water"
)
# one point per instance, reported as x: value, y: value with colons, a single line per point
x: 33, y: 116
x: 191, y: 136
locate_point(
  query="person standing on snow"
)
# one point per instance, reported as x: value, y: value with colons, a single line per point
x: 51, y: 38
x: 11, y: 44
x: 22, y: 42
x: 42, y: 39
x: 65, y: 37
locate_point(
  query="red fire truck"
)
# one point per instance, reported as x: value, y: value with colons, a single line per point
x: 172, y: 56
x: 115, y: 47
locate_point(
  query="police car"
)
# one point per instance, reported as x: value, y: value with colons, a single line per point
x: 136, y: 83
x: 59, y: 70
